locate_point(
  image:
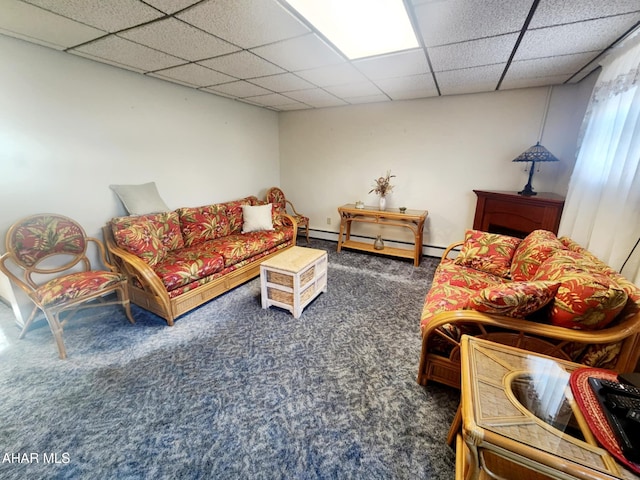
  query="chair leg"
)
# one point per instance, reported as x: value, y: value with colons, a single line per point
x: 123, y: 296
x: 56, y: 330
x: 307, y: 231
x: 28, y: 322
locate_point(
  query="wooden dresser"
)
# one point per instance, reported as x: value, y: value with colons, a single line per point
x: 517, y: 215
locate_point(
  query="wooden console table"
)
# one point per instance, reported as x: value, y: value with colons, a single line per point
x: 517, y: 215
x: 411, y: 219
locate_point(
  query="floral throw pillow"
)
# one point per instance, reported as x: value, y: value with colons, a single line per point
x: 200, y: 224
x: 487, y: 252
x: 514, y: 299
x: 586, y: 299
x: 148, y: 236
x: 532, y: 252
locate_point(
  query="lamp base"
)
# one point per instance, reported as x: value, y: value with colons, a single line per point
x: 528, y: 191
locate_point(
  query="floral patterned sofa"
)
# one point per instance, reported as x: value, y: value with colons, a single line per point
x: 541, y: 293
x: 178, y: 260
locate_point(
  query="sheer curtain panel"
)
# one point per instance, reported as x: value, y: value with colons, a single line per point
x: 602, y: 209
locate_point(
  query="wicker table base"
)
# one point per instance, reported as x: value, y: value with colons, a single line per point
x: 292, y: 279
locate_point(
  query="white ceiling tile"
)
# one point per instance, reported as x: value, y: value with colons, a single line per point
x: 284, y: 82
x: 316, y: 97
x: 470, y: 80
x: 239, y: 89
x: 573, y: 38
x: 360, y: 89
x: 36, y: 25
x: 180, y: 39
x: 332, y: 75
x: 270, y: 100
x: 558, y: 12
x: 400, y: 88
x: 171, y: 6
x: 369, y: 99
x: 300, y: 53
x: 123, y: 52
x: 549, y: 66
x: 246, y: 23
x: 242, y: 65
x: 474, y: 53
x: 111, y: 16
x: 412, y: 62
x: 194, y: 74
x: 293, y: 106
x: 511, y: 83
x: 444, y: 22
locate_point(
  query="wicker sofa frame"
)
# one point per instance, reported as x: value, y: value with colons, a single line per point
x: 147, y: 290
x: 528, y: 335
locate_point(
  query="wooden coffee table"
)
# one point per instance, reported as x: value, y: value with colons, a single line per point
x: 520, y: 420
x: 293, y: 278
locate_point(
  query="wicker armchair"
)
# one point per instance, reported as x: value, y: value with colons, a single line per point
x: 51, y: 252
x: 276, y: 197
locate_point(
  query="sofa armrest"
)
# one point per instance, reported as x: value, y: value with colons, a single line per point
x: 627, y: 331
x: 137, y: 271
x: 450, y: 248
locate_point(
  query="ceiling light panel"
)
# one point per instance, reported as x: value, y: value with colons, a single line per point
x: 360, y: 28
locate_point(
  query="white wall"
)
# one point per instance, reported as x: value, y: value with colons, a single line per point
x: 70, y: 127
x: 439, y: 148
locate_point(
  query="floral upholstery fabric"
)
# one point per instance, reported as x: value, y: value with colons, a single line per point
x: 451, y: 288
x: 514, y: 299
x: 76, y: 285
x: 38, y: 237
x: 149, y: 237
x: 234, y: 212
x: 238, y: 247
x: 586, y: 299
x: 185, y: 265
x: 488, y: 252
x: 536, y: 247
x: 199, y: 224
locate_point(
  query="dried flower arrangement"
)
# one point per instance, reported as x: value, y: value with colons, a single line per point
x: 383, y: 185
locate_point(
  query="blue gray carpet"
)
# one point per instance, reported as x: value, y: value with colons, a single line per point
x: 234, y: 391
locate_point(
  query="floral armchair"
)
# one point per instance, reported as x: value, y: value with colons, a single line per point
x: 51, y: 252
x: 276, y: 197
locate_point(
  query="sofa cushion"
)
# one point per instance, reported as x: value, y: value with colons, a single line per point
x: 234, y: 212
x: 586, y: 299
x: 488, y: 252
x: 256, y: 218
x: 237, y: 247
x: 183, y: 266
x: 514, y: 299
x: 532, y: 252
x: 149, y: 237
x: 199, y: 224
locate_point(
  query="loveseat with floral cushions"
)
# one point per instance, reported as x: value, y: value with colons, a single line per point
x: 178, y: 260
x: 541, y: 293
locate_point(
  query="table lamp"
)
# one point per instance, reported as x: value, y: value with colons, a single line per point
x: 537, y: 153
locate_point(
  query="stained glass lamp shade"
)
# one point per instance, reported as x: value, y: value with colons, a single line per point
x: 537, y: 153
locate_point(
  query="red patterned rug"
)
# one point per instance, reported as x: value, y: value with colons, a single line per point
x: 592, y: 411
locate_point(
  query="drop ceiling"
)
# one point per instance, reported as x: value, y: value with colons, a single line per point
x: 263, y: 53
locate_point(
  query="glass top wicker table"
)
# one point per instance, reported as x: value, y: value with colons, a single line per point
x: 520, y: 420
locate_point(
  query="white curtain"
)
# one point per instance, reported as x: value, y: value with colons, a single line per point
x: 602, y: 209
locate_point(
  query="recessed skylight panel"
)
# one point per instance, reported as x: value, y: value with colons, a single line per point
x: 360, y: 28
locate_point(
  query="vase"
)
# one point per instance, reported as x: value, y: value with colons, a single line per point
x: 378, y: 244
x: 382, y: 203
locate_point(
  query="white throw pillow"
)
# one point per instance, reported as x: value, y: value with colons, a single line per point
x: 256, y: 218
x: 140, y: 199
